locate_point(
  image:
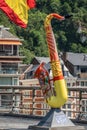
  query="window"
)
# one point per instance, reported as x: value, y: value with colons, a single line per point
x: 15, y: 81
x: 64, y: 106
x: 69, y: 93
x: 82, y: 83
x: 69, y: 105
x: 7, y: 49
x: 9, y: 68
x: 77, y: 83
x: 6, y: 100
x: 26, y: 94
x: 83, y: 109
x: 5, y: 81
x: 84, y: 105
x: 69, y: 114
x: 68, y: 84
x: 83, y: 70
x: 73, y: 84
x: 1, y: 48
x: 83, y: 102
x: 85, y: 83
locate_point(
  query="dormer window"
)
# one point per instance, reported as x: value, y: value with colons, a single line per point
x: 85, y: 57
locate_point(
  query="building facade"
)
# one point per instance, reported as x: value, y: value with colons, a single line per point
x: 77, y: 66
x: 38, y: 101
x: 10, y: 60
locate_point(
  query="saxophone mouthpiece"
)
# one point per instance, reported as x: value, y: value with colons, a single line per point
x: 68, y: 16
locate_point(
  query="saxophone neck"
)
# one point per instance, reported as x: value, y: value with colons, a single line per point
x: 53, y: 15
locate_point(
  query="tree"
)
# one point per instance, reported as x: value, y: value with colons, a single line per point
x: 66, y: 36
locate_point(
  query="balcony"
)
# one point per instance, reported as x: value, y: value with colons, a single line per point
x: 8, y: 52
x: 11, y: 58
x: 8, y: 71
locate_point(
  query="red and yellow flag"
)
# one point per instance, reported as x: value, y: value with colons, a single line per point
x: 17, y: 10
x: 43, y: 76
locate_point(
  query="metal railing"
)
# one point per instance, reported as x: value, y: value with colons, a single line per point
x: 11, y: 52
x: 29, y: 100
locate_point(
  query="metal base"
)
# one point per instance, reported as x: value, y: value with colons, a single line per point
x: 54, y: 120
x: 57, y: 128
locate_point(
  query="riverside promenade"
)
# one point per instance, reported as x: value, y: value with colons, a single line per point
x: 23, y: 123
x: 19, y: 123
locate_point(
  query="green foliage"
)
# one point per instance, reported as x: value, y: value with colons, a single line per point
x: 66, y: 34
x: 28, y: 55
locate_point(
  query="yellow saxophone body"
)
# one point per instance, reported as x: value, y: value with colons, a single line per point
x: 60, y: 88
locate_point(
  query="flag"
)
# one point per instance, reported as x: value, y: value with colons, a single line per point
x: 43, y: 76
x: 17, y: 10
x: 31, y: 3
x: 41, y: 70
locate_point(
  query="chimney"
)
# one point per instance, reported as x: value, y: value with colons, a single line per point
x: 1, y: 30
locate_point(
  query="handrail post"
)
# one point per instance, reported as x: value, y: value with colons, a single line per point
x: 80, y: 103
x: 33, y: 96
x: 13, y: 99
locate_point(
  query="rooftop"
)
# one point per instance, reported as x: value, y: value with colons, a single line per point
x: 6, y: 35
x: 77, y: 58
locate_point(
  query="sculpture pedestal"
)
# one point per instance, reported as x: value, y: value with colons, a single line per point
x: 57, y: 128
x: 55, y: 120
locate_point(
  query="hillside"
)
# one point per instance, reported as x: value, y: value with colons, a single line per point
x: 71, y: 34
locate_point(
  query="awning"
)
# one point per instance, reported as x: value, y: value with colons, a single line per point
x: 2, y: 42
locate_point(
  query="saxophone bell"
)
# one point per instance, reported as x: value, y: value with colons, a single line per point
x: 68, y: 16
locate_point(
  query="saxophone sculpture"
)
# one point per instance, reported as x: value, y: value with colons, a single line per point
x: 61, y: 96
